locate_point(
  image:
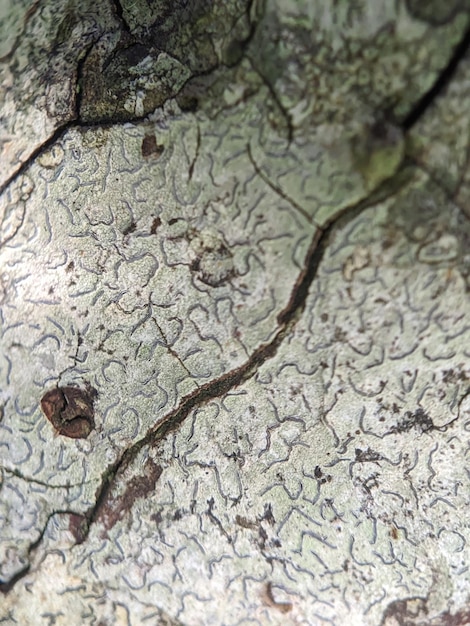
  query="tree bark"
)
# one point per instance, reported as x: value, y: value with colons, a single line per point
x: 234, y: 308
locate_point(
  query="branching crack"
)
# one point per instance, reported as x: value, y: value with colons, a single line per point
x: 273, y: 93
x: 59, y: 132
x: 287, y: 319
x: 278, y: 190
x: 7, y: 585
x: 169, y: 348
x: 253, y: 21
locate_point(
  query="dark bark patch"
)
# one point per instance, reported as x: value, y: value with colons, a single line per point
x: 405, y: 612
x: 70, y: 411
x: 129, y: 229
x: 155, y: 224
x: 367, y: 456
x: 419, y: 420
x: 150, y: 148
x: 245, y: 522
x: 282, y: 607
x: 138, y: 487
x: 187, y: 102
x: 268, y: 515
x: 414, y: 612
x: 78, y: 526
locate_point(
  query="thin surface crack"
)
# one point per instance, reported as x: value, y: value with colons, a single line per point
x: 278, y: 190
x: 284, y: 112
x: 48, y: 143
x: 42, y: 483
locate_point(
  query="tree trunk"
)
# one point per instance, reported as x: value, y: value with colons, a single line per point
x: 234, y: 272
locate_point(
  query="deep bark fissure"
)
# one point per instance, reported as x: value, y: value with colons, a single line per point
x: 439, y: 85
x: 287, y: 318
x: 120, y: 14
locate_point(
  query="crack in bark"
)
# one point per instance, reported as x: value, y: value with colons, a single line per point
x: 7, y: 585
x: 274, y: 95
x: 278, y: 190
x: 60, y: 130
x: 120, y: 14
x: 48, y: 143
x: 440, y: 84
x: 106, y: 123
x: 253, y: 27
x: 287, y: 318
x: 170, y: 349
x: 42, y: 483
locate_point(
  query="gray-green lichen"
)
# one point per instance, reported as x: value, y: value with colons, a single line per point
x: 280, y: 429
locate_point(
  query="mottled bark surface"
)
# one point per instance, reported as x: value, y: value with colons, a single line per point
x: 234, y: 277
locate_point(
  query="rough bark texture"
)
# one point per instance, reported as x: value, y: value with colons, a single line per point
x: 234, y: 277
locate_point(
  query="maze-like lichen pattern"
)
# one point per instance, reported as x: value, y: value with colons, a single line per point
x: 153, y: 261
x: 330, y: 484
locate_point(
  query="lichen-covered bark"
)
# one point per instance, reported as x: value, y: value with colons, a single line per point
x: 234, y: 311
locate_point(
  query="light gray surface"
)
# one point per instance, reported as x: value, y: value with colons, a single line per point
x: 277, y: 337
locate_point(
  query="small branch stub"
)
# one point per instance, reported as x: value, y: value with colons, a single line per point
x: 70, y: 411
